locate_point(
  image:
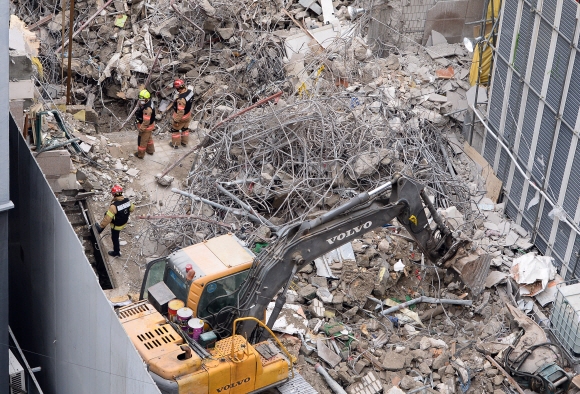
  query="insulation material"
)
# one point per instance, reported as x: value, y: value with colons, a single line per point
x: 534, y: 271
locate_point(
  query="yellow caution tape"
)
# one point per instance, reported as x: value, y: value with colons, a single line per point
x: 302, y: 90
x: 319, y: 71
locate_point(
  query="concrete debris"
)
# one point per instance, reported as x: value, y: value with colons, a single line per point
x: 326, y: 354
x: 342, y: 119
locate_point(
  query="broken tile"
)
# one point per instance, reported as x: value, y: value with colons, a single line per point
x: 317, y: 308
x: 445, y: 73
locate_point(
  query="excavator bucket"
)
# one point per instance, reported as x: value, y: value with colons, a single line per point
x: 473, y: 271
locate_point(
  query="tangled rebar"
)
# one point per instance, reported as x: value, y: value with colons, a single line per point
x: 283, y: 164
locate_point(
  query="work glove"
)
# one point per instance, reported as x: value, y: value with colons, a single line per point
x: 99, y: 228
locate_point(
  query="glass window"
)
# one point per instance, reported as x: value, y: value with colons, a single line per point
x: 219, y: 294
x: 153, y: 275
x: 177, y: 285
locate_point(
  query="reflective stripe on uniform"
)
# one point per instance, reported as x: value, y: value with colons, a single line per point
x: 118, y: 228
x: 141, y: 148
x: 149, y: 128
x: 186, y: 116
x: 185, y: 132
x: 150, y: 142
x: 110, y: 214
x: 175, y: 136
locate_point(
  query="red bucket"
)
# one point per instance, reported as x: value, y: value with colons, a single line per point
x: 172, y: 308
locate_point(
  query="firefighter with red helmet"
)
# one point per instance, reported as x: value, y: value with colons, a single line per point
x: 145, y: 117
x: 181, y: 114
x: 117, y: 216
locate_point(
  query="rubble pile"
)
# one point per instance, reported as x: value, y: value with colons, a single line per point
x: 345, y: 122
x: 234, y: 53
x: 335, y: 308
x: 289, y: 162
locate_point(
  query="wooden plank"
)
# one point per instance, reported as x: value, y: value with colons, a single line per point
x: 493, y: 184
x: 514, y: 384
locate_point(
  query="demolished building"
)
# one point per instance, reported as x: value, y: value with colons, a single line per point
x: 300, y: 106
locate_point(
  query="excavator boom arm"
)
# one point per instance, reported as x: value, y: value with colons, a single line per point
x: 301, y: 244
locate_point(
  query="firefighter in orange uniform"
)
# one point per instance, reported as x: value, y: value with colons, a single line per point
x: 145, y: 117
x: 181, y: 115
x: 117, y: 216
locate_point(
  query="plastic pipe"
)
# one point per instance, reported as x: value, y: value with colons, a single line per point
x: 337, y: 388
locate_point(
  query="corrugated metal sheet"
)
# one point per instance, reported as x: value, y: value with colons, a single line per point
x: 511, y: 120
x: 544, y: 229
x: 559, y: 161
x: 528, y: 126
x: 573, y: 100
x: 549, y: 10
x: 511, y: 209
x: 568, y: 25
x: 544, y: 145
x: 531, y: 3
x: 489, y: 150
x: 558, y: 73
x: 496, y: 99
x: 524, y: 37
x: 574, y: 264
x: 541, y: 243
x: 541, y: 57
x: 561, y: 242
x: 530, y: 216
x: 573, y: 190
x: 516, y: 188
x: 507, y: 28
x: 504, y: 165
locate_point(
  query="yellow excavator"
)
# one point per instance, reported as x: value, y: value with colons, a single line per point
x: 229, y: 289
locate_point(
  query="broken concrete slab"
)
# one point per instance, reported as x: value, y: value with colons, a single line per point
x: 494, y: 278
x: 393, y: 361
x: 55, y: 163
x: 326, y: 354
x: 312, y: 5
x: 437, y: 38
x: 437, y: 98
x: 443, y: 50
x: 308, y: 292
x: 291, y: 319
x: 324, y: 295
x: 511, y: 238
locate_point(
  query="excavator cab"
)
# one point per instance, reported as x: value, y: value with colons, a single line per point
x: 220, y: 266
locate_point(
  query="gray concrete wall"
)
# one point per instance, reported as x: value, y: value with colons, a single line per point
x: 453, y: 19
x: 58, y: 312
